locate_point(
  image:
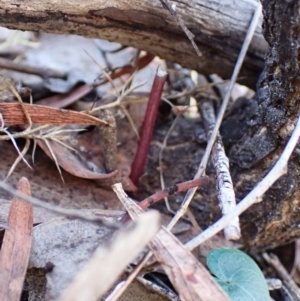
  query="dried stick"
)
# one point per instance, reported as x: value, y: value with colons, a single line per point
x: 148, y: 125
x: 221, y: 113
x: 64, y: 100
x: 24, y: 68
x: 160, y: 158
x: 274, y: 261
x: 226, y: 195
x: 157, y: 196
x: 133, y: 210
x: 166, y: 4
x: 62, y: 211
x: 179, y: 265
x: 120, y: 289
x: 109, y: 140
x: 255, y: 196
x: 144, y: 204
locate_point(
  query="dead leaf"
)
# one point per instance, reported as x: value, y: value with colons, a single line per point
x: 90, y: 159
x: 13, y: 115
x: 71, y: 163
x: 46, y: 183
x: 107, y: 263
x: 16, y: 245
x: 190, y: 278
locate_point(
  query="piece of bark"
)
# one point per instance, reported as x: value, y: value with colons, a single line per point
x: 219, y: 29
x: 16, y: 246
x: 256, y: 132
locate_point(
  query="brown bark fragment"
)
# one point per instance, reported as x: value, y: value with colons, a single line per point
x: 257, y: 131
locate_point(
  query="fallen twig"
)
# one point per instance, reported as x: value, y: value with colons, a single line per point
x: 226, y: 195
x: 62, y: 211
x: 157, y: 196
x: 221, y: 113
x: 24, y: 68
x: 290, y: 284
x: 144, y: 204
x: 255, y: 196
x: 180, y: 22
x: 160, y: 158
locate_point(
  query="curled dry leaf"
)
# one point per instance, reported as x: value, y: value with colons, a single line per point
x: 16, y: 246
x: 46, y: 184
x: 80, y: 163
x: 71, y: 163
x: 88, y: 160
x: 107, y: 263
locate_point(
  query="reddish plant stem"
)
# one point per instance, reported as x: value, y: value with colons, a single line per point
x: 148, y: 126
x: 157, y: 196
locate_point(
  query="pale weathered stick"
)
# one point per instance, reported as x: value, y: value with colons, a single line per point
x: 287, y: 279
x: 130, y: 207
x: 226, y: 195
x: 63, y: 211
x: 108, y: 263
x: 219, y: 28
x: 213, y: 136
x: 121, y: 287
x: 180, y: 22
x: 255, y: 196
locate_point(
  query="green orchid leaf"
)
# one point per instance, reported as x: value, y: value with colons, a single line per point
x: 238, y: 275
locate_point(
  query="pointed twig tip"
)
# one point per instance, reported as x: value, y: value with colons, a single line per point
x: 161, y: 72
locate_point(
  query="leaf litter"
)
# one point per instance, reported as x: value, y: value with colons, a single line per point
x: 63, y: 245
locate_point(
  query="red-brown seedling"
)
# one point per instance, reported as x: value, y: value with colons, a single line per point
x: 148, y: 125
x: 157, y: 196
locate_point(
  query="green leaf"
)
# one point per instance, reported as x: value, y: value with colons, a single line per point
x: 238, y: 275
